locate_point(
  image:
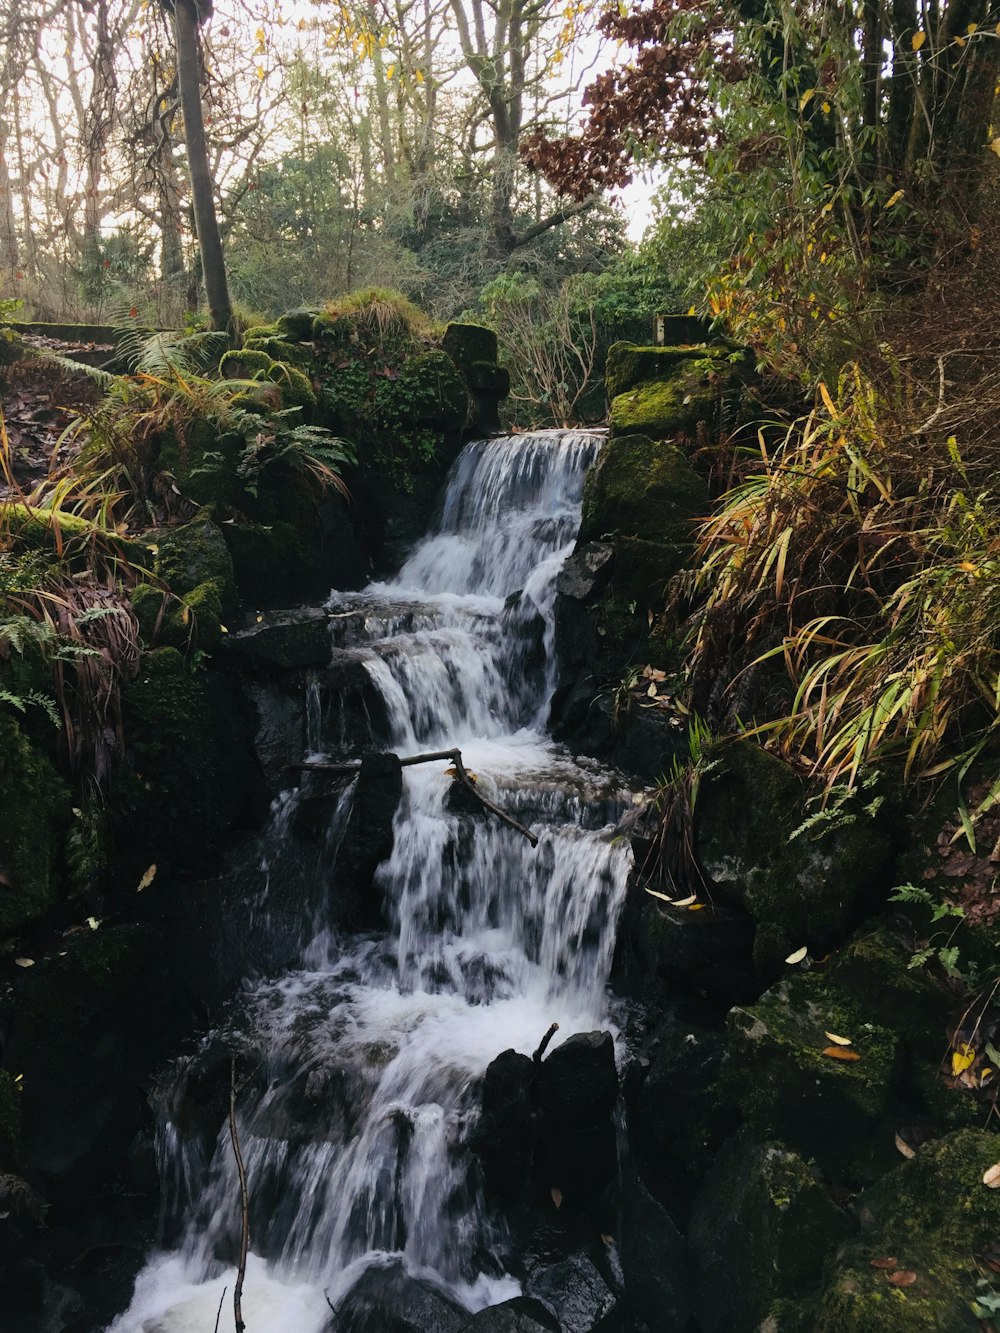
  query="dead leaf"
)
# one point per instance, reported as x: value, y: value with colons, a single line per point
x: 991, y: 1178
x: 962, y: 1057
x: 25, y: 962
x: 798, y: 955
x: 147, y: 878
x: 841, y: 1053
x: 903, y: 1277
x: 904, y: 1147
x: 556, y: 1193
x: 608, y: 1240
x: 651, y: 690
x: 838, y: 1041
x: 891, y: 1262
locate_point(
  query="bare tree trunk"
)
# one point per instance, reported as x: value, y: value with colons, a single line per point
x: 213, y: 263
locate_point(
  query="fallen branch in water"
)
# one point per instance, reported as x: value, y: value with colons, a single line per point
x: 244, y: 1203
x: 460, y: 775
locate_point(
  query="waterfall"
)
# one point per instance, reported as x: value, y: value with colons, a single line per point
x: 365, y: 1059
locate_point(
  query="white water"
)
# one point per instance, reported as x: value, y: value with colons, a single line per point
x: 367, y: 1056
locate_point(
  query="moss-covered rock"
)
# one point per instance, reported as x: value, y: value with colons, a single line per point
x: 469, y: 345
x: 12, y: 346
x: 246, y: 364
x: 290, y: 354
x: 35, y: 804
x: 762, y: 1226
x: 40, y: 529
x: 671, y: 408
x: 192, y: 771
x: 934, y: 1216
x: 642, y: 488
x: 810, y: 884
x: 628, y: 364
x: 297, y: 325
x: 428, y: 391
x: 790, y: 1088
x: 192, y: 554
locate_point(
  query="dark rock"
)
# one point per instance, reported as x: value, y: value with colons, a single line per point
x: 642, y: 487
x: 36, y: 809
x: 577, y: 1295
x: 585, y: 572
x: 788, y: 1088
x: 282, y: 640
x: 578, y: 1081
x: 812, y: 884
x: 763, y: 1226
x: 706, y: 952
x: 629, y: 364
x: 368, y: 839
x: 521, y: 1315
x: 504, y: 1135
x: 387, y: 1300
x: 192, y: 554
x: 655, y: 1262
x: 681, y: 1113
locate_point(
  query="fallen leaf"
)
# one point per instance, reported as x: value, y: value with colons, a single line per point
x: 891, y: 1262
x: 903, y: 1277
x: 904, y: 1147
x: 25, y: 962
x: 93, y: 922
x: 696, y: 907
x: 798, y: 955
x: 841, y: 1053
x: 147, y: 878
x: 962, y: 1057
x: 556, y: 1193
x: 991, y: 1178
x: 838, y: 1041
x: 608, y: 1240
x: 651, y: 690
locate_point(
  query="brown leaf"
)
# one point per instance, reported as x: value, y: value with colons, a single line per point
x: 903, y: 1277
x: 841, y: 1053
x: 904, y: 1147
x: 891, y: 1262
x: 992, y: 1177
x: 556, y: 1193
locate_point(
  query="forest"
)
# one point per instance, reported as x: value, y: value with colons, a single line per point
x: 630, y: 373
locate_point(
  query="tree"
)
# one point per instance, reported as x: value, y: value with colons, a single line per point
x: 188, y: 16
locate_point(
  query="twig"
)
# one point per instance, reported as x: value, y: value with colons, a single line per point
x: 461, y: 775
x: 219, y: 1310
x: 326, y: 1297
x: 537, y: 1057
x: 244, y: 1202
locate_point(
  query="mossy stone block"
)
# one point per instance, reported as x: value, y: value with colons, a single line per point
x: 641, y: 487
x: 192, y: 554
x: 761, y: 1228
x: 669, y: 408
x: 279, y: 349
x: 789, y: 1088
x: 297, y: 325
x: 629, y: 364
x: 35, y: 804
x: 488, y: 378
x: 809, y: 884
x: 469, y: 345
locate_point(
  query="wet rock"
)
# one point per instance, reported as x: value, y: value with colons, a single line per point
x: 36, y: 809
x: 654, y: 1261
x: 708, y: 952
x: 521, y: 1315
x: 282, y: 640
x: 577, y: 1151
x: 932, y: 1215
x: 787, y: 1085
x: 762, y: 1227
x: 504, y: 1136
x: 812, y: 884
x: 644, y: 488
x: 576, y: 1294
x: 585, y: 572
x: 387, y: 1300
x: 192, y: 554
x: 680, y: 1114
x: 368, y: 839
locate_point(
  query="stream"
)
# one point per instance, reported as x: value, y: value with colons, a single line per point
x: 367, y: 1054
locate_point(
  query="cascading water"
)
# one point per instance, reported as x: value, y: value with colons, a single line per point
x: 365, y: 1059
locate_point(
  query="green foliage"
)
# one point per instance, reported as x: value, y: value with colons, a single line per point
x: 939, y: 947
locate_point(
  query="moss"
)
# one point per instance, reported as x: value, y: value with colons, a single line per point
x: 245, y: 364
x: 296, y: 325
x: 470, y: 345
x: 291, y: 354
x: 268, y: 560
x: 761, y: 1228
x: 41, y: 529
x: 641, y: 488
x: 487, y: 378
x: 641, y: 572
x: 861, y: 1299
x: 785, y: 1084
x: 666, y: 409
x: 10, y: 1123
x: 810, y: 884
x: 192, y: 771
x: 193, y: 554
x: 12, y: 346
x: 628, y: 365
x: 35, y: 804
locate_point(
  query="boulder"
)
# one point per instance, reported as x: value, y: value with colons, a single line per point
x: 670, y: 409
x: 754, y: 848
x: 577, y: 1150
x: 788, y: 1084
x: 282, y: 640
x: 576, y: 1294
x: 655, y: 1263
x: 504, y: 1136
x: 368, y: 839
x: 707, y: 952
x: 642, y: 487
x: 386, y: 1299
x: 628, y: 364
x: 192, y: 554
x: 521, y: 1315
x: 762, y: 1226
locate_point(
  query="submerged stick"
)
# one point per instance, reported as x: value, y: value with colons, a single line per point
x: 461, y: 775
x: 244, y: 1202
